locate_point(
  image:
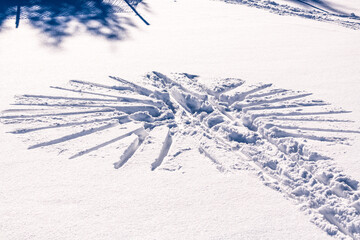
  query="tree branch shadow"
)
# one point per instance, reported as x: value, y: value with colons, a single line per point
x: 58, y: 20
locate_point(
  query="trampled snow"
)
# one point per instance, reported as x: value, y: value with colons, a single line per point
x: 222, y: 121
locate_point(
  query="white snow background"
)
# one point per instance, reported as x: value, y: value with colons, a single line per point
x: 45, y: 195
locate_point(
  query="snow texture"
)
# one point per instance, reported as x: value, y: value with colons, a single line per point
x: 322, y: 12
x: 279, y: 135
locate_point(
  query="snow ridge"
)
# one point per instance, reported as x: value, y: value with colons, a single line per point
x: 280, y: 135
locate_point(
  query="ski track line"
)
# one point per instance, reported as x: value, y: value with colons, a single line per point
x: 26, y: 130
x: 118, y: 99
x: 267, y: 94
x: 58, y: 114
x: 318, y: 14
x: 164, y: 151
x: 237, y: 126
x: 243, y: 94
x: 317, y: 129
x: 154, y: 111
x: 81, y: 153
x: 311, y: 120
x: 73, y: 136
x: 255, y: 103
x: 91, y: 84
x: 129, y: 152
x: 133, y: 86
x: 296, y: 105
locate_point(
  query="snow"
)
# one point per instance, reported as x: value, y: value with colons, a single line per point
x: 158, y: 175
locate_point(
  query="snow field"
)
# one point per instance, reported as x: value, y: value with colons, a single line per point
x: 233, y: 124
x: 293, y: 142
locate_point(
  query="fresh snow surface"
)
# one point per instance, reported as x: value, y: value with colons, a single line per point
x: 218, y: 121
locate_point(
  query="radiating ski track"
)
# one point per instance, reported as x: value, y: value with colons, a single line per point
x: 272, y: 132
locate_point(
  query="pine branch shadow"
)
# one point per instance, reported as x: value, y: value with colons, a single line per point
x: 58, y: 20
